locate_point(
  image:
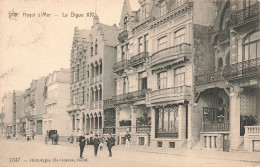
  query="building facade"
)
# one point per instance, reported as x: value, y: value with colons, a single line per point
x: 227, y: 94
x: 56, y: 93
x: 34, y: 108
x: 86, y: 109
x: 18, y: 112
x: 6, y: 114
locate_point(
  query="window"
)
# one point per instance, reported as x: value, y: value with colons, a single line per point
x: 100, y: 94
x: 179, y: 79
x: 168, y: 119
x: 143, y: 11
x: 96, y: 47
x: 140, y: 45
x: 146, y: 43
x: 73, y: 122
x: 251, y: 46
x: 179, y: 37
x: 83, y: 94
x: 100, y: 68
x: 163, y: 8
x: 162, y: 42
x: 162, y: 80
x: 127, y: 51
x: 142, y: 81
x: 87, y: 95
x: 122, y: 53
x: 83, y: 70
x: 77, y: 76
x: 124, y: 85
x: 125, y: 23
x: 91, y: 48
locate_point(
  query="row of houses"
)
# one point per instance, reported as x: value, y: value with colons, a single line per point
x: 175, y: 73
x: 38, y: 109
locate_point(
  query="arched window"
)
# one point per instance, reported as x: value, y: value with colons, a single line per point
x: 251, y: 46
x: 96, y: 47
x: 228, y: 59
x: 162, y: 42
x: 180, y: 36
x: 125, y: 23
x: 91, y: 48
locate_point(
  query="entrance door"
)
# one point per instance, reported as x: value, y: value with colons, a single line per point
x: 226, y: 142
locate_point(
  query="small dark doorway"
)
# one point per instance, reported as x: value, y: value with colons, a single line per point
x: 226, y: 142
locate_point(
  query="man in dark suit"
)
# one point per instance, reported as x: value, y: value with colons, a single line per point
x: 96, y: 144
x: 82, y: 142
x: 110, y: 143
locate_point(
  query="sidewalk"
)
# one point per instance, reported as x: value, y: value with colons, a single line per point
x: 211, y: 154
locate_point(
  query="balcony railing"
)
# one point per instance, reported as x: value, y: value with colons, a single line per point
x: 170, y: 53
x: 143, y: 129
x: 209, y: 78
x: 100, y: 103
x: 108, y: 103
x: 124, y: 129
x: 244, y: 15
x: 249, y: 67
x: 223, y: 36
x: 120, y: 65
x: 171, y: 92
x: 130, y: 97
x: 123, y: 36
x: 108, y: 130
x: 215, y: 126
x: 252, y: 130
x: 138, y: 59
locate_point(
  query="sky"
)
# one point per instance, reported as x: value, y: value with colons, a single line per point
x: 33, y: 46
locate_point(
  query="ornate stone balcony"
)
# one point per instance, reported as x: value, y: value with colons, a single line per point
x: 143, y: 129
x: 223, y: 36
x: 121, y: 65
x: 169, y: 54
x: 215, y: 126
x: 252, y: 130
x: 209, y: 78
x: 108, y: 104
x: 242, y: 69
x: 130, y: 97
x: 180, y: 93
x: 122, y: 37
x: 245, y: 16
x: 138, y: 59
x: 73, y: 107
x: 108, y: 130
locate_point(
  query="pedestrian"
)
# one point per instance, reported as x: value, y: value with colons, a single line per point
x: 82, y: 142
x: 127, y: 139
x: 53, y: 139
x: 101, y: 143
x: 33, y: 134
x: 96, y: 144
x: 110, y: 143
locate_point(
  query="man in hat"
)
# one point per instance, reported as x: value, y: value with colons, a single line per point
x: 96, y: 144
x: 82, y: 142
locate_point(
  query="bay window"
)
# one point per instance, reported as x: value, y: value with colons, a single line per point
x: 162, y: 80
x: 179, y: 76
x: 180, y: 36
x: 251, y: 46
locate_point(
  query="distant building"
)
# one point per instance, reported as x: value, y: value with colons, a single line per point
x: 6, y: 114
x: 34, y: 108
x: 56, y: 94
x: 18, y: 111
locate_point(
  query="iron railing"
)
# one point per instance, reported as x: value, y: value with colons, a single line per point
x: 249, y: 67
x: 120, y: 65
x: 209, y: 78
x: 123, y: 36
x: 243, y: 15
x: 138, y: 59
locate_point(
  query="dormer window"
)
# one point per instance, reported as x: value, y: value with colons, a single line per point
x: 163, y: 8
x: 125, y: 23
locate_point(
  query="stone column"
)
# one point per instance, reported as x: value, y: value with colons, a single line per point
x: 94, y: 121
x: 134, y: 111
x: 94, y: 99
x: 235, y: 117
x: 152, y: 123
x: 98, y: 124
x: 117, y: 118
x: 90, y: 124
x: 182, y: 122
x: 189, y: 125
x: 98, y: 97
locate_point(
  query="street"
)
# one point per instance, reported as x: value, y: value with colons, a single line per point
x: 22, y: 153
